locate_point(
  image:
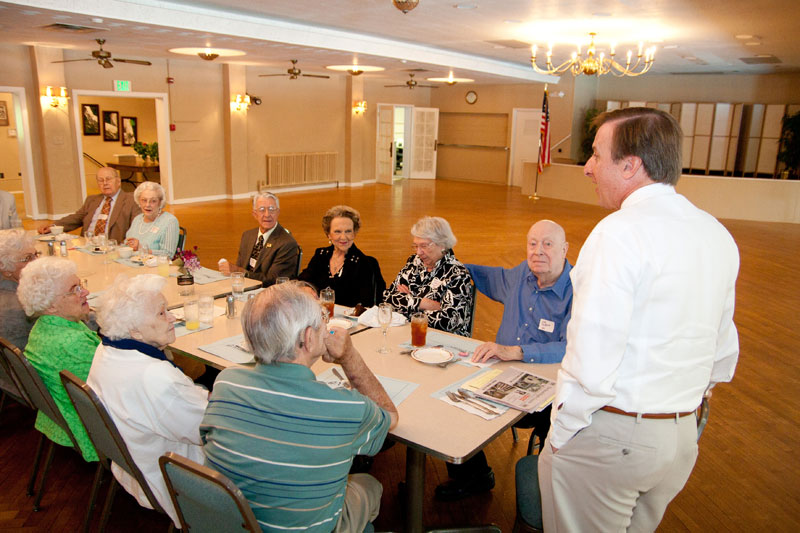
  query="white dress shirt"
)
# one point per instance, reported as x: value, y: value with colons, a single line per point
x: 652, y: 316
x: 156, y: 408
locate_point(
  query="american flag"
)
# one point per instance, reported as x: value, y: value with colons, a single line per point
x: 544, y: 135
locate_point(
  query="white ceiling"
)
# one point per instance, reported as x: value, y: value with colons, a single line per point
x: 691, y: 36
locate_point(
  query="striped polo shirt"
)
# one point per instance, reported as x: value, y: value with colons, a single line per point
x: 287, y: 441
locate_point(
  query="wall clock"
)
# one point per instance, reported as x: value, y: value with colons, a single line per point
x: 471, y: 97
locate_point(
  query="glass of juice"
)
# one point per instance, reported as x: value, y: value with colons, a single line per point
x: 327, y: 297
x: 191, y: 313
x: 419, y: 328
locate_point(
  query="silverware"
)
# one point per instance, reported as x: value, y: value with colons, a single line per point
x: 467, y: 395
x: 341, y: 377
x: 236, y: 346
x: 444, y: 364
x: 455, y: 398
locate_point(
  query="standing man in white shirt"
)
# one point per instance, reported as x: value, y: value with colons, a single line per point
x: 651, y: 330
x: 109, y: 213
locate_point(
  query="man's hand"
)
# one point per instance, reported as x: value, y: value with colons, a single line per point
x: 339, y: 346
x: 487, y: 350
x: 44, y: 229
x: 553, y: 448
x: 426, y: 304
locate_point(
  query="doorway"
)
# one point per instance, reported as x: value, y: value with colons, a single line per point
x: 16, y: 153
x: 525, y: 129
x: 406, y: 142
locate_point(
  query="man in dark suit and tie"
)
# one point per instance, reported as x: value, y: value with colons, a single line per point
x: 109, y: 213
x: 268, y: 251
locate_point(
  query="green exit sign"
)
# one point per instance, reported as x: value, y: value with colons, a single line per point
x: 122, y: 85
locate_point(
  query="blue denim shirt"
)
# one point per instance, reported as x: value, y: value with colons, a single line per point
x: 525, y: 305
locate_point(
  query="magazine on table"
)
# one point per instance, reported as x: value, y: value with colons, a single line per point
x: 519, y: 389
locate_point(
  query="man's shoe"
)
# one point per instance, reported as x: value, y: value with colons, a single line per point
x: 456, y: 489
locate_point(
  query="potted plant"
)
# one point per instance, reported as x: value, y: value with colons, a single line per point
x: 145, y: 151
x: 588, y: 132
x: 789, y: 152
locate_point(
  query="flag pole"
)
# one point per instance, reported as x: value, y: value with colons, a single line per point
x: 538, y: 162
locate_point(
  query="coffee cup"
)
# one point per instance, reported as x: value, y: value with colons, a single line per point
x: 56, y: 230
x: 125, y: 251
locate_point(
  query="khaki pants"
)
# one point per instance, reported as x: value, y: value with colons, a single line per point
x: 618, y: 474
x: 362, y: 502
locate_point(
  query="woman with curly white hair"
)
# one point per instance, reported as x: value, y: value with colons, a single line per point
x: 154, y: 228
x: 156, y: 408
x: 433, y: 280
x: 16, y: 252
x: 50, y: 290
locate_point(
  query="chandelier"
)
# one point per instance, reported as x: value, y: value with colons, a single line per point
x: 405, y: 5
x: 595, y: 64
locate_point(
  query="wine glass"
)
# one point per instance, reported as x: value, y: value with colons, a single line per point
x: 384, y: 319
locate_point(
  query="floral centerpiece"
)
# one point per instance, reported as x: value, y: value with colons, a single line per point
x: 145, y: 150
x: 187, y: 261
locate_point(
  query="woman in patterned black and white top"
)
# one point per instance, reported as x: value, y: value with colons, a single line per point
x: 433, y: 280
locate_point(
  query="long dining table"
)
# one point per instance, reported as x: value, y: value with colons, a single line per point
x: 100, y: 270
x: 427, y: 425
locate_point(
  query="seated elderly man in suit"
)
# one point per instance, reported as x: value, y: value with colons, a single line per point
x: 109, y: 213
x: 268, y: 251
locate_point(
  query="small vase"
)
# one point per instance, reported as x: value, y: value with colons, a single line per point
x: 185, y: 284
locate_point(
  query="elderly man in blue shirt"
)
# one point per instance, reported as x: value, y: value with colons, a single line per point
x: 537, y: 299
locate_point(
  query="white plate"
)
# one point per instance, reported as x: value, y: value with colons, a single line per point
x: 340, y: 323
x: 431, y: 356
x: 59, y: 237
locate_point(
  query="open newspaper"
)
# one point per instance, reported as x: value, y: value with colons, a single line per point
x: 519, y: 389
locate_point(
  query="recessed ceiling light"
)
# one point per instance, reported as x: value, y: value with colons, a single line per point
x: 450, y: 80
x: 601, y: 14
x: 669, y: 46
x: 208, y: 52
x: 97, y: 20
x: 465, y: 6
x: 753, y: 43
x: 744, y: 36
x: 355, y: 70
x: 763, y: 55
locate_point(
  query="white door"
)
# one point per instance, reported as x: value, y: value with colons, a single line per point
x: 525, y: 128
x: 384, y: 147
x: 425, y: 127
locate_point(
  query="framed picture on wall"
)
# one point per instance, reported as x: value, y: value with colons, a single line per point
x: 129, y: 132
x: 91, y: 119
x: 110, y: 126
x: 3, y: 113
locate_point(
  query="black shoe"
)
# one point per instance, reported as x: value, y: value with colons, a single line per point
x: 456, y: 489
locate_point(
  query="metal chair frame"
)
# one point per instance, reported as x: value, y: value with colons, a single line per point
x: 181, y: 239
x: 96, y: 418
x: 170, y: 460
x: 18, y: 394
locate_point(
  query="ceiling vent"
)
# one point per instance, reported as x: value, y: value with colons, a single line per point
x: 509, y: 43
x: 768, y: 60
x: 415, y: 70
x: 72, y: 28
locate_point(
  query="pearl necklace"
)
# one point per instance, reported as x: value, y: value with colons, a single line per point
x: 147, y: 225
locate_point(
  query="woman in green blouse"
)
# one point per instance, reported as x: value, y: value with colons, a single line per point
x: 50, y: 289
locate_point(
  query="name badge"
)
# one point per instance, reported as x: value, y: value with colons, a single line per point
x: 253, y: 263
x: 102, y: 217
x: 546, y: 325
x: 154, y: 230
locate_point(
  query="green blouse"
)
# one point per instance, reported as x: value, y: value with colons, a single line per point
x: 57, y: 344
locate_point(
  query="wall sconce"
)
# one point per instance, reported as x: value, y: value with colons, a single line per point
x: 54, y: 100
x: 242, y: 102
x: 360, y: 107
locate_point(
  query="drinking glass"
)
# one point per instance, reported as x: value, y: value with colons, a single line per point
x: 384, y: 319
x: 110, y: 250
x: 162, y: 263
x: 206, y: 309
x: 191, y: 313
x: 419, y: 329
x: 237, y: 284
x: 281, y: 279
x: 327, y: 297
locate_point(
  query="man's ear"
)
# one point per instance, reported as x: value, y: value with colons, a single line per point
x: 631, y: 167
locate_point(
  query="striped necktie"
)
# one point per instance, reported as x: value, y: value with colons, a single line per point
x: 100, y: 226
x: 256, y: 252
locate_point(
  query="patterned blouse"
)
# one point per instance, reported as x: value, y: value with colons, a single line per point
x: 449, y: 283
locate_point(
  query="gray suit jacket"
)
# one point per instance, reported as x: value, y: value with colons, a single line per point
x: 277, y: 258
x: 123, y: 213
x: 8, y: 211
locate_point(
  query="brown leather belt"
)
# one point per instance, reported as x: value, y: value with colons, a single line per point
x: 616, y: 411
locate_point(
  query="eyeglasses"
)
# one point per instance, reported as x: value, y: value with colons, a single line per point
x: 30, y: 257
x: 272, y: 210
x: 105, y: 180
x: 424, y: 246
x: 76, y: 289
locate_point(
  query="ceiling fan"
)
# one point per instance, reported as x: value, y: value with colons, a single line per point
x: 411, y: 83
x: 294, y: 72
x: 103, y: 57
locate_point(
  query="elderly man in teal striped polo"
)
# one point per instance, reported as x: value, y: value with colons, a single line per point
x: 287, y: 440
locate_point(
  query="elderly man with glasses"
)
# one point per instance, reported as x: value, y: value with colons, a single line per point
x: 268, y: 251
x: 109, y: 213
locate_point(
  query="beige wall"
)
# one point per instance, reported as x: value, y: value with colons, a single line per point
x: 9, y: 149
x: 735, y: 198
